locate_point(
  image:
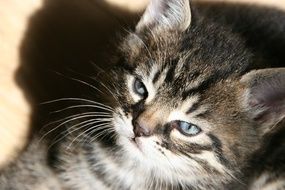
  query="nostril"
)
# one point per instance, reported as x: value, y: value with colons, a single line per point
x: 141, y: 130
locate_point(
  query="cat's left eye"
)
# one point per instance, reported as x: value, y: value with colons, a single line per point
x: 189, y: 128
x: 140, y: 88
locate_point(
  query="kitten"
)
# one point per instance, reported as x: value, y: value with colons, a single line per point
x: 196, y: 100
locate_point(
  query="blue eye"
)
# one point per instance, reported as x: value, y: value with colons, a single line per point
x: 140, y: 88
x: 189, y: 128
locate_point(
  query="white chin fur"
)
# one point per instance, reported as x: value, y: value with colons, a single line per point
x: 146, y: 154
x: 123, y: 124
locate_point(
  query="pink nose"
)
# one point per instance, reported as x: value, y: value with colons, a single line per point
x: 141, y: 129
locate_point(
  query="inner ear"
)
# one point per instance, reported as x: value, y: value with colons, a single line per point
x: 264, y: 96
x: 166, y: 15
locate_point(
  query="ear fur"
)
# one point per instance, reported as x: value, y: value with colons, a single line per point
x: 166, y: 15
x: 264, y: 96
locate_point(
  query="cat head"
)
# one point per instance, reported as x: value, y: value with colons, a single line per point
x: 187, y: 102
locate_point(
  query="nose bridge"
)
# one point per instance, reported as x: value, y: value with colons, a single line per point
x: 152, y: 117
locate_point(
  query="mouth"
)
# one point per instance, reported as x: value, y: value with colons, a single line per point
x: 136, y: 142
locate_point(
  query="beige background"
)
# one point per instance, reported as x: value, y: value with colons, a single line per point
x: 14, y: 108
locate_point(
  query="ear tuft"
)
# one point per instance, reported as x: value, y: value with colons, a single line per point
x: 264, y: 96
x: 166, y: 15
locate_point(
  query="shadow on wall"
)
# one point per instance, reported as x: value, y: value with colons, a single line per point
x: 63, y: 39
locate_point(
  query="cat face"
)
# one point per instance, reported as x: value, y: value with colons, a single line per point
x: 169, y: 122
x: 183, y: 100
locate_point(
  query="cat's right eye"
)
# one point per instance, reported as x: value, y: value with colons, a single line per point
x: 188, y: 129
x: 140, y: 89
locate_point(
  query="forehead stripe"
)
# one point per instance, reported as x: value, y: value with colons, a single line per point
x: 171, y: 71
x: 193, y: 108
x: 156, y: 77
x: 198, y: 89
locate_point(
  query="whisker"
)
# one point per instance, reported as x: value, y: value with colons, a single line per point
x: 95, y: 128
x: 86, y: 123
x: 172, y: 167
x: 82, y: 106
x: 76, y: 99
x: 99, y: 68
x: 97, y: 80
x: 80, y: 81
x: 235, y: 178
x: 92, y: 131
x: 75, y: 115
x: 69, y: 120
x: 150, y: 183
x: 105, y: 129
x: 97, y: 120
x: 90, y: 123
x: 109, y: 130
x: 109, y: 90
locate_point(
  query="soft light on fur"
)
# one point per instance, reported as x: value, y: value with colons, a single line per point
x: 176, y: 110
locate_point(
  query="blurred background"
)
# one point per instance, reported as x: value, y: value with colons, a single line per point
x: 37, y: 36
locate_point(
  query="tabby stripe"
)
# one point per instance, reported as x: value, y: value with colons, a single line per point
x: 100, y: 170
x: 200, y: 88
x: 217, y: 148
x: 193, y: 148
x: 156, y: 77
x: 203, y: 114
x: 171, y: 71
x: 97, y: 171
x: 196, y: 148
x: 203, y: 163
x: 193, y: 108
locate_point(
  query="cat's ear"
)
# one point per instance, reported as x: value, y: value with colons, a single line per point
x: 166, y: 15
x: 264, y: 96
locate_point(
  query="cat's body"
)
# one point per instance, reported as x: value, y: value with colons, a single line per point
x: 188, y: 109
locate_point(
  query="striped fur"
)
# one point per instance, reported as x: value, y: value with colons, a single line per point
x: 205, y: 75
